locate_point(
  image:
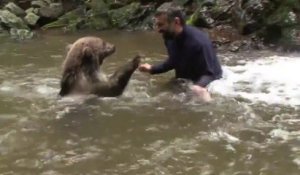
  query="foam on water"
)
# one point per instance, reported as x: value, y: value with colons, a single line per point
x: 272, y: 80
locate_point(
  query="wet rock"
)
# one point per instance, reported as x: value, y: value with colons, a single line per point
x: 21, y: 34
x: 69, y: 21
x: 120, y: 17
x: 201, y: 18
x: 97, y: 22
x: 167, y: 5
x: 247, y: 15
x: 281, y: 24
x: 31, y: 18
x: 97, y: 7
x: 10, y: 20
x: 210, y: 13
x: 182, y: 2
x: 39, y: 4
x: 113, y: 4
x: 53, y: 11
x: 221, y: 10
x: 12, y: 7
x: 235, y: 46
x: 97, y: 16
x: 32, y: 10
x: 143, y: 20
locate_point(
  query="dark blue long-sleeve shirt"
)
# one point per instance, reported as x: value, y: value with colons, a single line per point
x: 192, y: 55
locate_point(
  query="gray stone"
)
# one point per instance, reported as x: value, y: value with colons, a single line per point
x: 11, y: 20
x: 32, y: 10
x: 12, y: 7
x: 31, y: 18
x: 39, y: 3
x: 53, y: 11
x: 21, y: 34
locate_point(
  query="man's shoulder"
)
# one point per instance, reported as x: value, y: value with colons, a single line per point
x: 197, y: 36
x: 195, y: 31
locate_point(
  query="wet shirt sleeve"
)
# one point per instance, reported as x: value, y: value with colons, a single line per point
x: 168, y: 64
x: 162, y: 67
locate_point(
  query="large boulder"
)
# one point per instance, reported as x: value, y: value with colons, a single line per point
x: 52, y: 11
x: 21, y: 34
x: 121, y: 17
x: 12, y: 7
x: 39, y: 3
x: 209, y: 13
x: 10, y: 20
x: 69, y: 21
x: 247, y: 15
x: 97, y: 16
x: 31, y: 18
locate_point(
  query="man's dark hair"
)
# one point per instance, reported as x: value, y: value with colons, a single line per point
x: 172, y: 11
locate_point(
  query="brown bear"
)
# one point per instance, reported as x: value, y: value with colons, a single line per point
x: 81, y: 69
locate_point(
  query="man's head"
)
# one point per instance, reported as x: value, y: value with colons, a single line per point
x: 169, y: 20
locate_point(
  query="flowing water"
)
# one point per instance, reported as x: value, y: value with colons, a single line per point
x: 251, y: 128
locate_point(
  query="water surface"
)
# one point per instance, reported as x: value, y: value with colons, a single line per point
x: 251, y: 128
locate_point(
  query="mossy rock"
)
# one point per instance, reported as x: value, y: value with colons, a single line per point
x: 98, y: 7
x: 12, y: 7
x: 71, y: 18
x: 31, y: 18
x: 21, y: 34
x: 10, y: 20
x: 121, y: 17
x: 283, y: 16
x: 97, y: 23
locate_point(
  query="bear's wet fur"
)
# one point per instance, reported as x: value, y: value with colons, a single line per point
x: 81, y: 69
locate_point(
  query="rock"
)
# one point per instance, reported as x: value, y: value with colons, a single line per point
x: 143, y: 20
x: 280, y: 24
x: 113, y: 4
x: 97, y: 23
x: 21, y: 34
x: 181, y: 2
x: 97, y: 7
x: 201, y: 18
x: 248, y: 15
x: 210, y: 13
x: 32, y: 10
x: 53, y: 11
x: 120, y: 17
x: 39, y: 4
x: 31, y: 18
x: 12, y: 7
x: 10, y: 20
x: 68, y: 20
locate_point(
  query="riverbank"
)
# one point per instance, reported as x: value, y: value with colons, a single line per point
x: 233, y: 25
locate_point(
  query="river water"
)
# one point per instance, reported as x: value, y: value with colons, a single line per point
x: 251, y: 128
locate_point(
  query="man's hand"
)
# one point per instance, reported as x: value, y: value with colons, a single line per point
x: 145, y: 67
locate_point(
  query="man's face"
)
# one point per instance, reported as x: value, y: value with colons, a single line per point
x: 165, y: 27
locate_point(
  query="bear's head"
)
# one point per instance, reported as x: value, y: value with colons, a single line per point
x: 87, y: 52
x: 99, y: 48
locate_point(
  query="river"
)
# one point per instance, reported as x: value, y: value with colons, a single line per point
x: 251, y: 127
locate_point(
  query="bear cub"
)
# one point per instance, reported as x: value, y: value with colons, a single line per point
x: 81, y: 69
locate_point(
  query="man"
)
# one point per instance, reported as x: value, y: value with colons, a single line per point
x: 190, y: 52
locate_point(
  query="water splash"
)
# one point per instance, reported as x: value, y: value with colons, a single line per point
x: 272, y: 80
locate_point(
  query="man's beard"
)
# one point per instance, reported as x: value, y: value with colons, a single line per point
x: 168, y: 35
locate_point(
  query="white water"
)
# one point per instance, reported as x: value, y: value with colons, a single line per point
x: 273, y: 80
